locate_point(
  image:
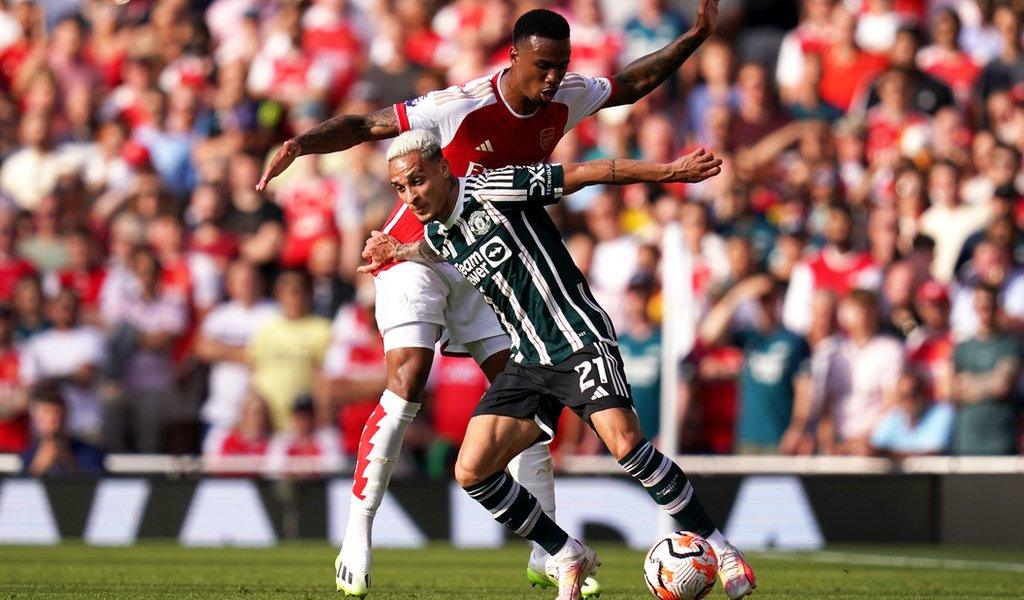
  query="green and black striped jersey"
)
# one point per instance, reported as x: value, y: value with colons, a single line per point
x: 500, y: 237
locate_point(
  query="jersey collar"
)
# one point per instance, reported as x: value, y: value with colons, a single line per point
x: 496, y: 84
x: 459, y: 202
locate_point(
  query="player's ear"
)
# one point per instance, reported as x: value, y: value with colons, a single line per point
x: 513, y: 54
x: 446, y: 167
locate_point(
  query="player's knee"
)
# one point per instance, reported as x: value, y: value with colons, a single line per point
x: 621, y: 442
x: 407, y: 373
x: 468, y: 474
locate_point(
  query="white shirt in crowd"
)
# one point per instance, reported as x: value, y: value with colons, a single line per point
x: 858, y: 378
x: 963, y: 319
x: 232, y: 324
x: 59, y: 353
x: 612, y: 266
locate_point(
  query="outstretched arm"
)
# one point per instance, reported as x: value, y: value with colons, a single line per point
x: 691, y: 168
x: 644, y: 74
x: 333, y: 135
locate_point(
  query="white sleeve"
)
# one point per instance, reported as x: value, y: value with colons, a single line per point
x: 796, y: 309
x: 1013, y: 297
x: 420, y: 113
x: 583, y: 95
x: 29, y: 370
x: 789, y: 71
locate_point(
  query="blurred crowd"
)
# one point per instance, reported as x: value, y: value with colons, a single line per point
x: 856, y: 271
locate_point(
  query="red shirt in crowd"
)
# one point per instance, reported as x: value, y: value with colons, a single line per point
x: 842, y: 80
x: 842, y: 276
x: 85, y: 284
x: 932, y: 357
x: 309, y: 216
x: 458, y: 385
x: 11, y: 270
x: 357, y: 351
x: 236, y: 444
x: 14, y: 431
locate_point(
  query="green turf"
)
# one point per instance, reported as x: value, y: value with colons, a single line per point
x: 155, y: 570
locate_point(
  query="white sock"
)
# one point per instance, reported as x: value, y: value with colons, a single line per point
x: 379, y: 446
x: 532, y: 469
x: 718, y: 542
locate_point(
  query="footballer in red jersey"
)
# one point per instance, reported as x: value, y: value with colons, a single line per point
x: 515, y: 116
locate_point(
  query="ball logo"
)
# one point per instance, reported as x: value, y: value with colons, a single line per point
x: 495, y: 252
x: 479, y: 222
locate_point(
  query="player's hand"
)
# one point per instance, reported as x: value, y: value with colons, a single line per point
x: 695, y: 166
x: 707, y: 17
x: 288, y: 152
x: 378, y: 251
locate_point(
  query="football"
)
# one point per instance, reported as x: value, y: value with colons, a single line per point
x: 680, y: 566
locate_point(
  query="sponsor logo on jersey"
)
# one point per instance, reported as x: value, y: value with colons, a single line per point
x: 480, y: 264
x: 485, y: 147
x: 415, y: 101
x: 540, y: 180
x: 546, y: 137
x: 479, y: 222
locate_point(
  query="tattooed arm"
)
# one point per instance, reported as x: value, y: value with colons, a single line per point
x: 382, y: 249
x: 333, y: 135
x: 640, y: 77
x: 691, y: 168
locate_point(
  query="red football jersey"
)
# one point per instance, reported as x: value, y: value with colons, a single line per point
x: 478, y: 130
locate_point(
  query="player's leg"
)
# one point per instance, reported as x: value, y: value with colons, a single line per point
x: 411, y: 299
x: 491, y: 441
x: 379, y: 447
x: 472, y: 325
x: 668, y: 485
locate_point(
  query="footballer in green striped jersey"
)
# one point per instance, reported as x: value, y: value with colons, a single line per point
x: 493, y: 227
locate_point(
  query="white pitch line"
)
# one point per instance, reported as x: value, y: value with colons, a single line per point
x: 884, y: 560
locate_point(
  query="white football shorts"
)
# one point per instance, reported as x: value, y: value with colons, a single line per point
x: 438, y: 295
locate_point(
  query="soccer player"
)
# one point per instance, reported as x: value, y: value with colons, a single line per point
x: 494, y: 229
x: 515, y: 116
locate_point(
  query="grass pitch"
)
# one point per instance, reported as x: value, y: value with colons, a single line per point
x: 165, y: 570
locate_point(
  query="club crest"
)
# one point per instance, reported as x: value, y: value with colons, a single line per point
x: 479, y: 222
x: 546, y: 137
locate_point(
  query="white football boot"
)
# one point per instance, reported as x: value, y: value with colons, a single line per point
x: 735, y: 573
x: 352, y: 583
x: 572, y: 565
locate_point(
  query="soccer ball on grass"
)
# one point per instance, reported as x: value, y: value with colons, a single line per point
x: 680, y: 566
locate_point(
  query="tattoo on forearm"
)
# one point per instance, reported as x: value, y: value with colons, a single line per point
x: 641, y: 76
x: 613, y: 170
x: 417, y: 252
x: 428, y: 253
x: 344, y: 131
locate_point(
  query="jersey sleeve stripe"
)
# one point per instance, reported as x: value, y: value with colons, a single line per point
x: 403, y: 117
x: 612, y: 87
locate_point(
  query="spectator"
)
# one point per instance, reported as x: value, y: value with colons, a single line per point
x: 640, y: 346
x: 944, y: 59
x: 845, y: 67
x: 930, y: 346
x: 14, y: 426
x: 949, y: 221
x: 223, y: 342
x: 54, y: 452
x: 986, y: 367
x: 71, y: 356
x: 82, y: 274
x: 775, y: 386
x: 144, y: 324
x: 27, y: 302
x: 330, y: 291
x: 355, y: 370
x: 30, y: 173
x: 860, y: 378
x: 302, y: 439
x: 915, y: 426
x: 837, y: 268
x: 1006, y: 70
x: 248, y: 436
x: 287, y: 352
